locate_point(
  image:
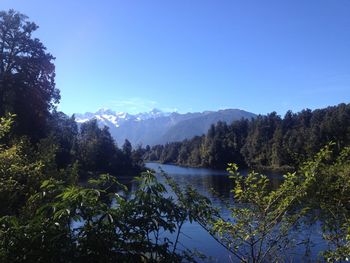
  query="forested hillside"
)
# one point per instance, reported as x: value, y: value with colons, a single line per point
x: 267, y: 141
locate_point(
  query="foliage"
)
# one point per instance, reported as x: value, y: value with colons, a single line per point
x: 27, y: 86
x: 330, y: 197
x: 19, y: 171
x: 97, y: 152
x: 268, y: 142
x: 262, y: 220
x: 46, y: 216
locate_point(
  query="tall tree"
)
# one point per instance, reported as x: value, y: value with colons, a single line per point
x: 27, y: 75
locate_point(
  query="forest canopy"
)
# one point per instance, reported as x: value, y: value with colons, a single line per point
x: 267, y: 141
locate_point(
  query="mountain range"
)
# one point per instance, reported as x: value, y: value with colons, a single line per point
x: 158, y: 127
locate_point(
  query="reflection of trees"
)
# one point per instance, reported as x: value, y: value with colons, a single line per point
x: 212, y: 183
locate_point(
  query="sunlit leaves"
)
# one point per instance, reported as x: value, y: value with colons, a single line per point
x: 6, y: 124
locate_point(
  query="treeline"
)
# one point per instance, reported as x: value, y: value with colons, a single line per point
x: 268, y: 141
x: 89, y: 148
x: 92, y: 147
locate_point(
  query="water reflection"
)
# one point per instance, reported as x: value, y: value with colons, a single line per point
x: 206, y: 180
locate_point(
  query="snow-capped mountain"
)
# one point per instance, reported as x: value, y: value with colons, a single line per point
x: 153, y: 114
x: 107, y: 116
x: 158, y: 127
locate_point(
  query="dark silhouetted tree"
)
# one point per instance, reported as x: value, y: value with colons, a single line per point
x: 27, y: 73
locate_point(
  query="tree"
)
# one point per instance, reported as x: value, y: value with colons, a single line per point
x: 329, y: 195
x: 27, y: 75
x: 127, y: 148
x: 63, y: 131
x: 262, y: 221
x: 22, y: 168
x: 96, y: 147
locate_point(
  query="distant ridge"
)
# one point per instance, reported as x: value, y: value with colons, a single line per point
x: 158, y: 127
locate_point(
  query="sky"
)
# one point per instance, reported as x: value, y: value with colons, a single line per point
x: 195, y: 55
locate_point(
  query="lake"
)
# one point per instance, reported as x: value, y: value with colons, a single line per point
x: 206, y: 180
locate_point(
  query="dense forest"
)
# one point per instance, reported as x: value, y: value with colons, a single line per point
x: 61, y: 201
x: 268, y: 141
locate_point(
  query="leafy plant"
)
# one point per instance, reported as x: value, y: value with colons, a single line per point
x: 262, y: 220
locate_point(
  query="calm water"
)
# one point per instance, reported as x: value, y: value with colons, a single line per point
x: 206, y: 180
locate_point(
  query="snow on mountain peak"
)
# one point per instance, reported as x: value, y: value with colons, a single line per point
x: 154, y: 113
x: 116, y: 118
x: 122, y: 115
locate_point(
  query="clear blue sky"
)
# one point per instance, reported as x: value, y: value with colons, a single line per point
x: 195, y: 55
